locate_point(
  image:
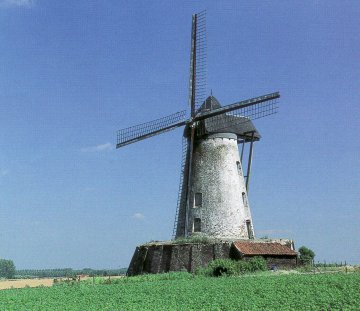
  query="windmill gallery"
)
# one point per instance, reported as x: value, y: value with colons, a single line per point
x: 213, y: 193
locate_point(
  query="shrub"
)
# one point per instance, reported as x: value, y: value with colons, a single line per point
x: 257, y: 263
x: 306, y: 255
x: 228, y: 267
x: 203, y: 271
x: 242, y: 266
x: 222, y: 267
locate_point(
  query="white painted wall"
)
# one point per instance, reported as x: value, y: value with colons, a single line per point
x: 223, y: 213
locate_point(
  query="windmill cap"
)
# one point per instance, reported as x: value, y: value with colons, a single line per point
x: 209, y: 104
x: 225, y: 123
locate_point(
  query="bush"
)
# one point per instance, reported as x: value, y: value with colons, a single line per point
x: 222, y: 267
x: 228, y: 267
x: 306, y: 255
x: 243, y: 266
x: 257, y: 264
x: 203, y: 271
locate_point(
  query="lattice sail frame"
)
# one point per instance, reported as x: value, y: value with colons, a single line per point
x: 253, y: 108
x: 142, y: 131
x: 198, y: 61
x: 241, y: 115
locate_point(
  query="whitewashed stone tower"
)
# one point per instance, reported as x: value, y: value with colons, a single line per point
x: 219, y: 205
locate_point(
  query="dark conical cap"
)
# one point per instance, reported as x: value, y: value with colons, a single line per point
x: 209, y: 104
x: 224, y: 123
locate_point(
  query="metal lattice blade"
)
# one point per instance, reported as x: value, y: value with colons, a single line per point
x: 257, y: 102
x: 189, y: 179
x: 197, y: 78
x: 241, y: 116
x: 179, y: 222
x: 237, y: 117
x: 145, y: 130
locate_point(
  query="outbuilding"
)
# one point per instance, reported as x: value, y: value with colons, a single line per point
x: 275, y: 254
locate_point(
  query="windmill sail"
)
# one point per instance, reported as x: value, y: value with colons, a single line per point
x: 197, y: 93
x: 237, y: 114
x: 145, y: 130
x: 252, y: 102
x: 198, y: 57
x: 179, y: 228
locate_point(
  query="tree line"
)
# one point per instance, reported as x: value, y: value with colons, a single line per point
x: 67, y: 272
x: 8, y: 271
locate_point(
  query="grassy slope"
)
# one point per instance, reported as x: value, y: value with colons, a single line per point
x: 284, y: 292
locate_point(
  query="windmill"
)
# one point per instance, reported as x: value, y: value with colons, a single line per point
x: 213, y: 188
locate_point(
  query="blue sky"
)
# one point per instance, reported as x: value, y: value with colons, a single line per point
x: 74, y: 72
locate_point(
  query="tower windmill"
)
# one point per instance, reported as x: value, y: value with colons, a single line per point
x: 213, y: 188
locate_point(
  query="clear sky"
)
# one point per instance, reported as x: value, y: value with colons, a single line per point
x: 74, y: 72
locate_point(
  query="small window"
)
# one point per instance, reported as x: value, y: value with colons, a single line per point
x: 198, y: 199
x: 197, y: 225
x: 244, y: 199
x: 238, y: 165
x: 249, y: 229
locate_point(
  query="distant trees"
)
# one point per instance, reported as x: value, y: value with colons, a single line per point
x: 306, y: 255
x: 7, y: 269
x: 66, y: 272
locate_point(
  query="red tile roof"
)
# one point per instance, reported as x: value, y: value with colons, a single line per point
x: 259, y: 248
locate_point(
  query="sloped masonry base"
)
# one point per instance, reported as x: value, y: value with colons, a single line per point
x: 163, y: 257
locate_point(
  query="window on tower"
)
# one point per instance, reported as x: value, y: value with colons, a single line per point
x: 198, y: 199
x: 244, y: 198
x: 197, y: 225
x: 249, y: 229
x: 238, y: 165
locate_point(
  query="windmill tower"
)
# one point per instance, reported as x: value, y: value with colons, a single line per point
x: 213, y: 189
x: 217, y: 205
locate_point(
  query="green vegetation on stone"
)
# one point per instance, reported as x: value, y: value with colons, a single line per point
x: 194, y: 239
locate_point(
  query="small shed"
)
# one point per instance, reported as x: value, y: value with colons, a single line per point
x: 275, y: 254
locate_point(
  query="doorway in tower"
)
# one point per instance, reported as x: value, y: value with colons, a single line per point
x: 249, y: 229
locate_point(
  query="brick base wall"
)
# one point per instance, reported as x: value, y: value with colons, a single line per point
x: 160, y: 258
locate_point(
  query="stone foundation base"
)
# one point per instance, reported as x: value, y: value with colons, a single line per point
x: 163, y: 257
x: 159, y: 258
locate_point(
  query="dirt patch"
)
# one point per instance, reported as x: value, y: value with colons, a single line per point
x: 6, y: 284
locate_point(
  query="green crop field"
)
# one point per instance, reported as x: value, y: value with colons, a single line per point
x: 182, y: 291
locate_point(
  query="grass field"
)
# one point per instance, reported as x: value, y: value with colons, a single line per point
x: 182, y: 291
